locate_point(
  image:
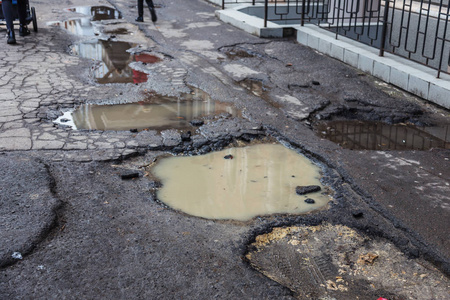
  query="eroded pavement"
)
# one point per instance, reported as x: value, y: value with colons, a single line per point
x: 83, y: 232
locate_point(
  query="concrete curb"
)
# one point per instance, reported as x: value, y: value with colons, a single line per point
x: 405, y: 74
x: 250, y: 24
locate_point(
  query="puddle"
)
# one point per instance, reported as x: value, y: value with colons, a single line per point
x: 83, y: 26
x: 80, y: 27
x: 98, y: 13
x: 238, y: 53
x: 157, y: 112
x: 258, y: 180
x: 357, y: 135
x: 257, y: 88
x: 117, y: 31
x: 114, y: 61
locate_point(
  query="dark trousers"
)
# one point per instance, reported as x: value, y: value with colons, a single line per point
x: 8, y: 12
x: 141, y: 6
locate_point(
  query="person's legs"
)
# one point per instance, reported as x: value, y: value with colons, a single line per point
x: 22, y: 10
x: 8, y: 14
x: 151, y: 7
x: 140, y: 17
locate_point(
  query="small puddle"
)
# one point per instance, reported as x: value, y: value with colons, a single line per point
x: 157, y: 112
x: 258, y: 180
x: 358, y: 135
x: 239, y: 53
x: 117, y: 31
x: 114, y: 61
x: 257, y: 88
x: 98, y: 13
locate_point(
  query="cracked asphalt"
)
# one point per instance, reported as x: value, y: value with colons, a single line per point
x: 84, y: 233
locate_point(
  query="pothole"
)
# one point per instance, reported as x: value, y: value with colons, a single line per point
x: 336, y: 262
x: 117, y: 31
x: 98, y: 13
x: 257, y: 88
x: 239, y: 53
x: 155, y: 112
x: 365, y: 135
x: 241, y: 183
x: 114, y: 58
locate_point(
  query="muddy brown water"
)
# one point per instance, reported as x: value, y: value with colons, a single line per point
x: 156, y: 112
x: 259, y: 180
x: 358, y: 135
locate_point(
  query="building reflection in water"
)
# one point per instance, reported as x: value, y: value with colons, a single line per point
x: 114, y: 61
x: 98, y: 13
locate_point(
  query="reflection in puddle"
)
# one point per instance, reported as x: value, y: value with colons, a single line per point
x: 114, y: 61
x: 359, y: 135
x: 98, y: 13
x: 112, y: 55
x: 159, y: 112
x: 258, y: 180
x: 83, y: 26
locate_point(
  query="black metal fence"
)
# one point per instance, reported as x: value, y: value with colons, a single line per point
x: 414, y: 29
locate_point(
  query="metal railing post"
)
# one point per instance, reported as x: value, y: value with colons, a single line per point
x: 384, y: 28
x: 266, y: 12
x: 303, y: 13
x: 443, y: 40
x: 338, y: 16
x: 253, y: 2
x: 223, y: 4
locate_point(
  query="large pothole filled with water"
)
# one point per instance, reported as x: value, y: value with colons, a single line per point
x: 156, y: 112
x: 366, y: 135
x: 241, y: 183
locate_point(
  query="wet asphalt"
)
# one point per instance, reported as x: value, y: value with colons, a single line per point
x: 84, y: 232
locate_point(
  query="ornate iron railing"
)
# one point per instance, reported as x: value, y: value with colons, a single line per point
x: 414, y: 29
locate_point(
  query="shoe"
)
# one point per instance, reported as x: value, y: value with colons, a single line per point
x: 23, y: 30
x: 140, y: 19
x: 11, y: 37
x: 153, y: 13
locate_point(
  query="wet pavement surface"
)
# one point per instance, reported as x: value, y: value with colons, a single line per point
x: 74, y: 227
